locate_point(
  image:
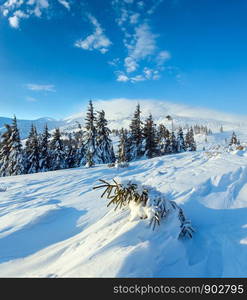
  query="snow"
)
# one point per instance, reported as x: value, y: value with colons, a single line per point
x: 119, y: 113
x: 54, y: 224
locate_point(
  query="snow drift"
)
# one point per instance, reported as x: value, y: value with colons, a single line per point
x: 55, y: 225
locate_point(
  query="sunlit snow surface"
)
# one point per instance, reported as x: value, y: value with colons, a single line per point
x: 54, y: 225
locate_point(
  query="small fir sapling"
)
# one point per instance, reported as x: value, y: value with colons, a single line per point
x: 144, y: 202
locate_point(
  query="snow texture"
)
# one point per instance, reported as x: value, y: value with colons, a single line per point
x: 54, y: 224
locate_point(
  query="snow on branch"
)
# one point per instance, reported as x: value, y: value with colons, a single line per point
x: 144, y: 202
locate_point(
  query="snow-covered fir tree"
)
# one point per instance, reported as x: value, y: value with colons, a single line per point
x: 80, y: 159
x: 234, y: 140
x: 180, y: 141
x: 90, y: 137
x: 173, y: 143
x: 163, y: 138
x: 32, y: 152
x: 58, y: 156
x: 45, y: 157
x: 202, y: 129
x: 136, y: 134
x: 190, y: 141
x: 78, y: 135
x: 151, y: 145
x: 104, y: 145
x: 167, y: 145
x: 16, y: 162
x: 70, y: 152
x: 123, y: 147
x: 92, y: 145
x: 162, y: 132
x: 5, y: 151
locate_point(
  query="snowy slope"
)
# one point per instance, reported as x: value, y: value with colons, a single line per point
x: 119, y: 112
x: 54, y: 225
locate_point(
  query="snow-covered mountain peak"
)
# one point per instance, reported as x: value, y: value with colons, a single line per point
x: 119, y: 112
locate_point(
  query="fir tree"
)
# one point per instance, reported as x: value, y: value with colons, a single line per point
x: 45, y: 159
x: 161, y: 138
x: 168, y: 145
x: 123, y: 147
x: 161, y: 132
x: 180, y: 141
x: 174, y: 144
x: 90, y: 137
x: 32, y: 151
x: 5, y: 151
x: 58, y: 156
x: 136, y: 134
x: 89, y: 160
x: 233, y: 140
x: 70, y: 153
x: 16, y: 162
x: 151, y: 146
x: 103, y: 142
x: 190, y: 141
x: 80, y: 158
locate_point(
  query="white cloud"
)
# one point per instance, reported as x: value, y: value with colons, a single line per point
x: 151, y: 73
x: 162, y: 57
x: 144, y: 59
x: 96, y: 41
x: 138, y: 39
x: 14, y: 21
x: 20, y: 14
x: 145, y: 42
x: 64, y: 3
x: 123, y: 17
x: 134, y: 18
x: 142, y: 44
x: 121, y: 77
x: 31, y: 99
x: 137, y: 78
x: 154, y: 7
x: 114, y: 62
x: 146, y: 74
x: 5, y: 12
x: 19, y: 9
x: 130, y: 64
x: 39, y: 5
x: 40, y: 87
x: 13, y: 3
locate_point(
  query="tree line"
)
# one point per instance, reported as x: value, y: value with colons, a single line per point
x: 89, y: 145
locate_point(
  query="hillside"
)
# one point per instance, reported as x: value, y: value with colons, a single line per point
x: 119, y: 112
x: 54, y: 225
x: 25, y: 125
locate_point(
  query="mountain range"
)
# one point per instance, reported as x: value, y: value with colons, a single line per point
x: 120, y: 111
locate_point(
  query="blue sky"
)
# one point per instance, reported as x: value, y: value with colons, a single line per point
x: 57, y: 54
